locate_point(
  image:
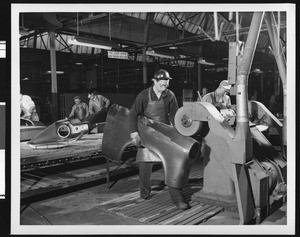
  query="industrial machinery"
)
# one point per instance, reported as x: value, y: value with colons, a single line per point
x: 250, y: 185
x: 66, y: 131
x: 241, y: 167
x: 242, y: 170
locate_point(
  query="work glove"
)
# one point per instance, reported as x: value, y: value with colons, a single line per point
x: 136, y: 139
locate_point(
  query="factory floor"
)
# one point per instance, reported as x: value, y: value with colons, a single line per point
x: 81, y: 207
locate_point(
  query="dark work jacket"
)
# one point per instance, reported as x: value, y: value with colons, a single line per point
x: 141, y: 102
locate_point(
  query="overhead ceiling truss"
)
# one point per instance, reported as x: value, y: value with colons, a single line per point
x: 185, y: 31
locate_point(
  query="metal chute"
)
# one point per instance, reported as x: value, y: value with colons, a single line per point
x: 66, y: 131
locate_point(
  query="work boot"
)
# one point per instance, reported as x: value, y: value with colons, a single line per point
x: 141, y: 199
x: 182, y: 205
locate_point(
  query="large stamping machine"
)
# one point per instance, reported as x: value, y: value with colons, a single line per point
x: 240, y: 173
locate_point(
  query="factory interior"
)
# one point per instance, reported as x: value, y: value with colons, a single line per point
x: 230, y: 164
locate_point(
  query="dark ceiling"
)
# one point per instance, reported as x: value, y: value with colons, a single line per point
x: 193, y: 33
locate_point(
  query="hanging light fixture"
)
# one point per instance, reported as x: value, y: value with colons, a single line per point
x: 160, y: 54
x: 90, y: 42
x: 57, y: 72
x: 94, y: 43
x: 257, y: 71
x: 204, y: 62
x: 173, y: 47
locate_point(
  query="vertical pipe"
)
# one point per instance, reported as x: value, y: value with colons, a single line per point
x: 270, y: 21
x: 53, y: 77
x: 242, y: 128
x: 109, y: 26
x: 281, y: 64
x: 199, y: 76
x: 149, y: 19
x: 144, y: 67
x: 199, y: 67
x: 237, y: 26
x: 243, y: 141
x: 216, y: 26
x: 278, y: 32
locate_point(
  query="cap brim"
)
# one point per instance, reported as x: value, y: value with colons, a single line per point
x: 163, y: 78
x: 227, y: 87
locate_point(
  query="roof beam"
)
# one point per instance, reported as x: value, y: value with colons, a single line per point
x: 174, y: 24
x: 244, y: 30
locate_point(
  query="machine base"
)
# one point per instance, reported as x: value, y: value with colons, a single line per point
x: 228, y: 203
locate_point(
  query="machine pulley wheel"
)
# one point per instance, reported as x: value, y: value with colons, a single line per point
x: 185, y: 125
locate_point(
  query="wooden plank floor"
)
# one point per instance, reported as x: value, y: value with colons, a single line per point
x: 159, y: 210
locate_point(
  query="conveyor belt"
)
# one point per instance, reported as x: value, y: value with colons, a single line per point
x: 88, y: 147
x: 49, y: 170
x: 159, y: 210
x: 41, y: 181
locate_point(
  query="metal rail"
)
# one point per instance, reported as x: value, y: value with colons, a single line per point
x: 25, y: 167
x: 56, y: 175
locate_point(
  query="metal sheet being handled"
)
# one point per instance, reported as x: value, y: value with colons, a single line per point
x: 59, y: 134
x: 177, y: 152
x: 66, y: 131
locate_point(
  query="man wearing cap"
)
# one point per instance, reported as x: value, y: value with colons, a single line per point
x: 219, y: 97
x: 97, y: 102
x: 160, y: 104
x: 79, y: 110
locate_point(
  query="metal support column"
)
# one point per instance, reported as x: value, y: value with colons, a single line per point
x: 243, y: 139
x: 281, y: 64
x: 53, y: 77
x: 149, y: 19
x: 199, y: 76
x: 144, y: 67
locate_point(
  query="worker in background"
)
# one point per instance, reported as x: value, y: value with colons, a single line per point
x: 79, y: 110
x: 97, y: 102
x: 160, y: 104
x: 27, y: 108
x: 204, y: 92
x: 221, y: 100
x: 219, y: 97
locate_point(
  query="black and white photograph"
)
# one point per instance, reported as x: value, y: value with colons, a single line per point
x: 152, y: 118
x: 2, y: 118
x: 2, y: 149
